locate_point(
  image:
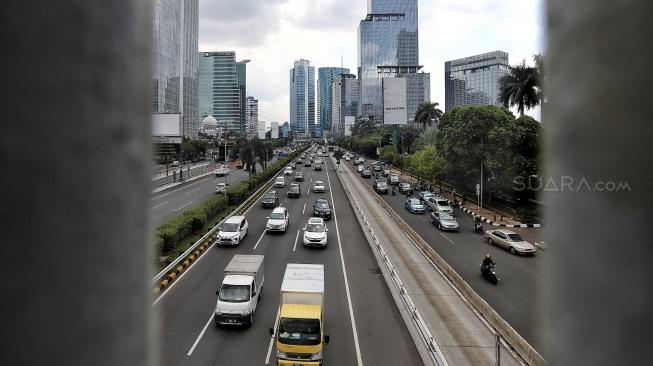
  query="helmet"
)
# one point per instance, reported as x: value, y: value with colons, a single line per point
x: 487, y: 256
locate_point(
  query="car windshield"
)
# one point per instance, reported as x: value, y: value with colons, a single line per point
x: 269, y: 196
x: 277, y: 216
x: 322, y: 205
x: 234, y: 293
x: 299, y: 331
x: 315, y: 228
x: 515, y: 237
x: 229, y: 227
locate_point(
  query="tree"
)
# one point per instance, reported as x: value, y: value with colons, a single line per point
x: 427, y: 163
x: 427, y: 113
x: 520, y: 87
x: 338, y: 154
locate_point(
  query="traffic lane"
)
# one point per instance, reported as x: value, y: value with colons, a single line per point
x: 384, y: 338
x: 516, y: 298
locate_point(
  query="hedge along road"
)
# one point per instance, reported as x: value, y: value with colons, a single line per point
x: 172, y: 202
x: 189, y: 336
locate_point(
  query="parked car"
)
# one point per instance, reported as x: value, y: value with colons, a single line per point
x: 270, y: 199
x: 278, y: 220
x: 299, y: 177
x: 380, y: 186
x: 366, y: 173
x: 444, y: 221
x: 315, y: 233
x: 424, y: 196
x: 318, y: 187
x: 413, y: 205
x: 232, y: 231
x: 321, y: 208
x: 405, y: 188
x: 393, y: 179
x: 294, y: 191
x: 280, y: 182
x: 510, y: 240
x: 221, y: 188
x: 439, y: 204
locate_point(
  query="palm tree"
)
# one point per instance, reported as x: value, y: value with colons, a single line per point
x: 427, y: 113
x: 247, y: 155
x: 520, y: 87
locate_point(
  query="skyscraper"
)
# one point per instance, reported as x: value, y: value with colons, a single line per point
x: 474, y: 79
x: 221, y: 90
x: 241, y: 70
x: 251, y: 117
x: 174, y: 83
x: 326, y: 75
x: 302, y: 97
x: 388, y: 48
x: 344, y: 102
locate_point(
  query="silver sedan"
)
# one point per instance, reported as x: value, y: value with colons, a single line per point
x: 509, y: 240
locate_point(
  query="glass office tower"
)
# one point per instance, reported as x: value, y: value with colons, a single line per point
x: 220, y: 91
x: 344, y: 102
x: 326, y: 75
x: 175, y: 55
x: 388, y: 47
x: 474, y: 79
x: 302, y: 98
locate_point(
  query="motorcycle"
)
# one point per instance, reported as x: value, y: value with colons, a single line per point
x: 478, y: 227
x: 490, y: 273
x: 394, y: 192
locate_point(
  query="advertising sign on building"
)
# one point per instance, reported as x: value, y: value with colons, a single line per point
x: 166, y: 128
x: 394, y: 101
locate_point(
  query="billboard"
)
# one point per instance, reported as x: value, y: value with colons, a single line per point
x: 394, y: 101
x: 166, y: 128
x: 349, y: 123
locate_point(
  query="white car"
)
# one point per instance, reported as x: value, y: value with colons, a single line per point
x: 278, y: 220
x: 280, y: 182
x: 509, y: 240
x: 439, y: 204
x: 288, y: 171
x: 315, y: 233
x: 360, y: 168
x: 221, y: 188
x: 347, y: 158
x: 221, y: 171
x: 233, y: 230
x: 318, y: 187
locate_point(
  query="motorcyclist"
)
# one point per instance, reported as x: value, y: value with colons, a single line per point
x: 477, y: 220
x: 487, y: 262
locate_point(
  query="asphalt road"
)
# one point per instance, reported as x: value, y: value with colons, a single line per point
x: 379, y: 337
x: 172, y: 202
x: 515, y: 298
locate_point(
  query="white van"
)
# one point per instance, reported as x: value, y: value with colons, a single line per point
x: 232, y: 231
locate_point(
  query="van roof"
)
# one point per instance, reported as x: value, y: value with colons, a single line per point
x: 234, y: 219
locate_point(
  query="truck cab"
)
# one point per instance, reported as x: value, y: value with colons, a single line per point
x: 240, y: 290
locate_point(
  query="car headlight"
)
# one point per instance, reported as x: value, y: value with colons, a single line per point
x: 316, y: 356
x: 245, y: 312
x: 281, y: 354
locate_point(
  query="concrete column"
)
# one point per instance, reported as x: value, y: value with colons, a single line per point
x: 74, y: 155
x: 599, y: 128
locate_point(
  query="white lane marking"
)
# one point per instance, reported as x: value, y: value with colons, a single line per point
x: 179, y: 189
x: 296, y: 237
x: 304, y: 209
x: 446, y: 237
x: 199, y: 337
x: 193, y: 190
x: 344, y: 274
x: 276, y: 322
x: 184, y: 206
x: 259, y: 240
x: 159, y: 205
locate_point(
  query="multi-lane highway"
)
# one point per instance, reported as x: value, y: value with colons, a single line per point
x: 516, y: 296
x: 360, y: 314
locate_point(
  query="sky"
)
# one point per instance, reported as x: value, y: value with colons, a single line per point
x: 275, y: 33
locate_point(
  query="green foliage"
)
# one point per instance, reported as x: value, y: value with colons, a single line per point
x: 427, y: 163
x: 338, y: 154
x: 427, y: 113
x: 521, y: 86
x: 194, y: 148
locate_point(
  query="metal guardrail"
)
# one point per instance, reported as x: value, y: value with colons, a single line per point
x: 250, y: 200
x: 425, y: 334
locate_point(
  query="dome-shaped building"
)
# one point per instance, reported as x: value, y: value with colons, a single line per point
x: 209, y: 126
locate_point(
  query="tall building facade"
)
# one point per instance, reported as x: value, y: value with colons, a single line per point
x: 174, y: 80
x: 302, y: 97
x: 241, y: 70
x: 220, y: 91
x: 325, y: 77
x: 344, y: 101
x: 387, y: 48
x: 251, y: 117
x: 474, y: 79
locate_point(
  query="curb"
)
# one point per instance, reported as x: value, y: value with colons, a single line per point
x: 488, y: 221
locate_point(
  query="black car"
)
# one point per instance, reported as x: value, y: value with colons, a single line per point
x: 321, y: 208
x: 299, y: 177
x: 366, y: 173
x: 380, y: 186
x: 270, y: 199
x: 294, y: 191
x: 405, y: 188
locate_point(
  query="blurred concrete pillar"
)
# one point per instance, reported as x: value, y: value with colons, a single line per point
x: 599, y: 134
x: 74, y: 156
